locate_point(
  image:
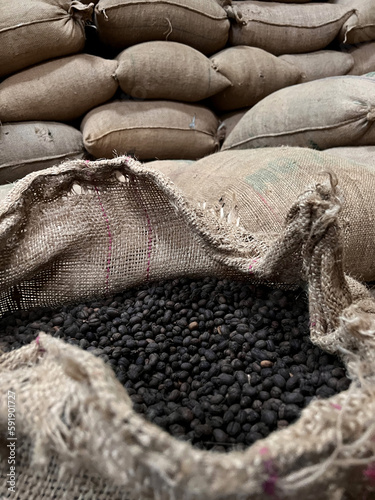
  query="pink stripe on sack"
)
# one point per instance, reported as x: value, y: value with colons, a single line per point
x: 109, y: 233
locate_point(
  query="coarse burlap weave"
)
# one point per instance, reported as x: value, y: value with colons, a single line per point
x: 77, y: 435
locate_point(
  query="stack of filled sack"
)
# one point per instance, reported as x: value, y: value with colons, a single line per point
x: 181, y: 80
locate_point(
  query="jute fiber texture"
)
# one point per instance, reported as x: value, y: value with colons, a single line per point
x: 168, y: 70
x: 286, y: 28
x: 59, y: 90
x: 202, y: 24
x: 78, y: 433
x: 322, y: 114
x: 26, y: 147
x: 29, y: 31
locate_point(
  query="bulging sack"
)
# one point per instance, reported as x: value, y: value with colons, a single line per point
x: 31, y: 32
x: 151, y: 129
x: 168, y: 70
x: 202, y: 24
x: 342, y: 115
x: 30, y: 146
x: 286, y: 28
x: 320, y: 64
x: 253, y: 73
x: 59, y: 90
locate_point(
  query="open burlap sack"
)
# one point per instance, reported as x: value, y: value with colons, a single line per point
x: 253, y: 74
x: 26, y: 147
x: 320, y: 64
x: 37, y: 30
x: 115, y: 223
x: 360, y: 27
x: 59, y: 90
x: 364, y: 58
x: 77, y: 434
x: 336, y: 111
x: 168, y: 70
x: 202, y: 24
x: 358, y: 154
x: 286, y: 28
x: 151, y: 129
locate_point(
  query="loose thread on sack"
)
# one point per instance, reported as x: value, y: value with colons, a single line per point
x: 109, y: 233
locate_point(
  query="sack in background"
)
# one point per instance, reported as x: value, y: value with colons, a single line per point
x: 253, y: 74
x: 168, y: 70
x: 29, y: 146
x: 150, y: 129
x: 336, y: 111
x: 31, y: 32
x: 59, y: 90
x: 202, y: 24
x: 360, y: 27
x: 320, y: 64
x: 357, y: 154
x: 286, y: 28
x: 94, y: 442
x: 230, y: 120
x: 364, y: 58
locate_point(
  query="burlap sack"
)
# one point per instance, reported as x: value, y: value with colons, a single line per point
x: 77, y: 434
x: 360, y: 27
x: 168, y: 70
x: 150, y: 129
x: 202, y: 24
x: 253, y: 74
x: 31, y: 32
x: 30, y: 146
x: 364, y: 58
x: 286, y: 28
x: 230, y: 120
x: 320, y: 64
x: 358, y: 154
x: 336, y: 111
x: 61, y: 90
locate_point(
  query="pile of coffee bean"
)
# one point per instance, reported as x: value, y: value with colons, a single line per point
x: 216, y: 362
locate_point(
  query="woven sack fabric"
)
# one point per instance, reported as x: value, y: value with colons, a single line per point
x: 78, y: 436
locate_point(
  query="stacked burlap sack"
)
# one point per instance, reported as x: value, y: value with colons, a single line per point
x: 268, y: 215
x: 171, y: 80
